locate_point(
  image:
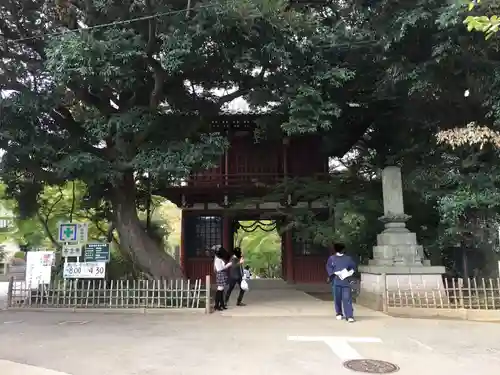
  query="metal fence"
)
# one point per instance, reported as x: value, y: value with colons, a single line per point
x: 115, y: 294
x: 474, y: 293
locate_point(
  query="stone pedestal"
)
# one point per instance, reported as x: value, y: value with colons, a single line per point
x: 398, y: 262
x: 424, y: 278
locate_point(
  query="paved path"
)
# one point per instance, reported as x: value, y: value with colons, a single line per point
x: 287, y: 302
x: 127, y: 344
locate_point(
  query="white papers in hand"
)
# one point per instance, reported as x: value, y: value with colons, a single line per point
x: 344, y: 273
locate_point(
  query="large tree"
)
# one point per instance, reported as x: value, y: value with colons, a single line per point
x: 422, y: 73
x: 111, y: 92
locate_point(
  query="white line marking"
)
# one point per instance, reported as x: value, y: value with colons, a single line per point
x: 420, y: 343
x: 79, y: 322
x: 342, y: 338
x: 339, y: 345
x: 13, y: 321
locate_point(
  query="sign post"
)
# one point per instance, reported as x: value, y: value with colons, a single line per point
x: 74, y: 237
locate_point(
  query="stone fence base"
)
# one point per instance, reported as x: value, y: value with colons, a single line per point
x: 463, y: 314
x: 374, y: 301
x: 148, y: 311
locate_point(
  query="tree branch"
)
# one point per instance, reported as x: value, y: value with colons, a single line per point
x: 73, y: 202
x: 65, y: 120
x: 243, y: 90
x: 37, y: 45
x: 51, y: 208
x: 90, y: 99
x: 48, y: 232
x: 159, y: 74
x: 45, y: 220
x: 110, y: 236
x: 234, y: 95
x: 12, y: 86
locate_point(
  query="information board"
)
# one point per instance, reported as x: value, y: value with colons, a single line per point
x: 85, y: 270
x: 38, y: 268
x: 97, y: 252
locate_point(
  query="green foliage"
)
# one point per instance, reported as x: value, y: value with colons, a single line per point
x: 19, y: 255
x: 55, y: 204
x: 98, y: 66
x: 105, y: 105
x: 59, y: 204
x: 486, y: 24
x: 262, y: 250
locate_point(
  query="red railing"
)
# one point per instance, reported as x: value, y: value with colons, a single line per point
x: 238, y: 179
x: 243, y: 179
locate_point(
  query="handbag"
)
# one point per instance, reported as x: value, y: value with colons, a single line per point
x: 244, y: 285
x: 353, y: 283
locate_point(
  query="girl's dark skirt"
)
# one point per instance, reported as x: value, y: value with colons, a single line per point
x: 221, y: 278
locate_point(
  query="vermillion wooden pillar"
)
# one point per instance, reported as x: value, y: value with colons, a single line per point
x: 182, y: 252
x: 286, y: 142
x: 290, y: 271
x: 287, y: 261
x: 227, y: 235
x: 283, y: 257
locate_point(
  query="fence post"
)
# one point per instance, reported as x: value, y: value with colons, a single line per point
x: 385, y: 302
x: 208, y: 297
x: 10, y: 291
x: 461, y: 293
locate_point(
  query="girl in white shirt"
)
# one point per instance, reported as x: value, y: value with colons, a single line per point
x: 220, y: 267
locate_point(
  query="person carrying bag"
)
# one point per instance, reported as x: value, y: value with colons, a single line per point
x: 340, y: 269
x: 236, y: 277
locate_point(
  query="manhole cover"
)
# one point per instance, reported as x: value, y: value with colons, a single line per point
x: 371, y: 366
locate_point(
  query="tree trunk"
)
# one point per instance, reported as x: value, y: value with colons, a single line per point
x: 146, y: 253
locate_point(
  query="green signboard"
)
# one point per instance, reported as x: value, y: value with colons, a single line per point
x: 97, y: 252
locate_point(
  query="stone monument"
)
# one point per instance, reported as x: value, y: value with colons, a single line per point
x: 397, y: 254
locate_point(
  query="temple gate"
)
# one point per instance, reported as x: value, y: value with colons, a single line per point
x: 248, y: 172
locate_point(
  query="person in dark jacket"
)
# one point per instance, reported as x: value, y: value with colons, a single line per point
x: 338, y: 266
x: 236, y: 276
x: 331, y: 279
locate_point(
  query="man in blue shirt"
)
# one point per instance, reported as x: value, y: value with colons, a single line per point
x: 337, y: 267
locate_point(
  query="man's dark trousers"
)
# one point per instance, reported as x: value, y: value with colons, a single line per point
x: 232, y: 284
x: 343, y: 299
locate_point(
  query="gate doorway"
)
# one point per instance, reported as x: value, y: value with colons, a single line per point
x: 299, y: 261
x: 262, y: 247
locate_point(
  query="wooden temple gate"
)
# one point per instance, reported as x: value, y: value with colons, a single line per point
x: 249, y: 170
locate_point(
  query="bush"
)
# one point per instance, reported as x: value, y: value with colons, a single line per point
x: 19, y: 255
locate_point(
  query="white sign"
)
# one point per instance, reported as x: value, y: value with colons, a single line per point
x: 73, y: 232
x: 339, y: 345
x: 75, y: 270
x: 38, y: 268
x: 71, y: 251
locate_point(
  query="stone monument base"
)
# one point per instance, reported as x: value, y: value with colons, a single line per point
x: 376, y: 280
